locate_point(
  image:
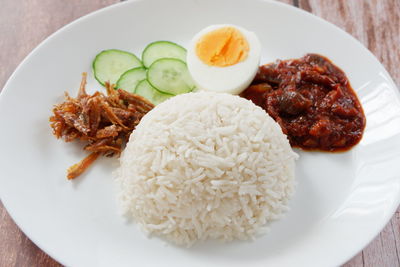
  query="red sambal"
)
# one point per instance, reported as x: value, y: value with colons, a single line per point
x: 312, y: 100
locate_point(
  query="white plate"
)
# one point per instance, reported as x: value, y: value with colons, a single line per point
x: 342, y: 202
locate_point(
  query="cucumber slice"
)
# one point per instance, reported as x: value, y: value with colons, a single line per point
x: 162, y: 49
x: 170, y: 76
x: 145, y: 89
x: 130, y: 79
x: 108, y: 65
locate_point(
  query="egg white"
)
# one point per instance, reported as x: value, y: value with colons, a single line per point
x: 231, y: 79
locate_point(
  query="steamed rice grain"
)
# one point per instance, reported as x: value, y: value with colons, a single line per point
x: 206, y: 166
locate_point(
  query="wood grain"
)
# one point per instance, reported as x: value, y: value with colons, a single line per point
x: 375, y: 23
x: 25, y: 23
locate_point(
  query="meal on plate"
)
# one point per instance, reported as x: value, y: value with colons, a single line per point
x: 210, y: 131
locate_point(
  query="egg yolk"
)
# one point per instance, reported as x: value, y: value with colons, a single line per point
x: 222, y: 47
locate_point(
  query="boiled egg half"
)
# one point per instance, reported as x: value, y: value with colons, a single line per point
x: 223, y: 58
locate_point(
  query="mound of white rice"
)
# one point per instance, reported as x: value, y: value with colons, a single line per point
x: 206, y: 165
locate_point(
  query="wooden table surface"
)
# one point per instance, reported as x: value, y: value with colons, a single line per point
x: 25, y: 23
